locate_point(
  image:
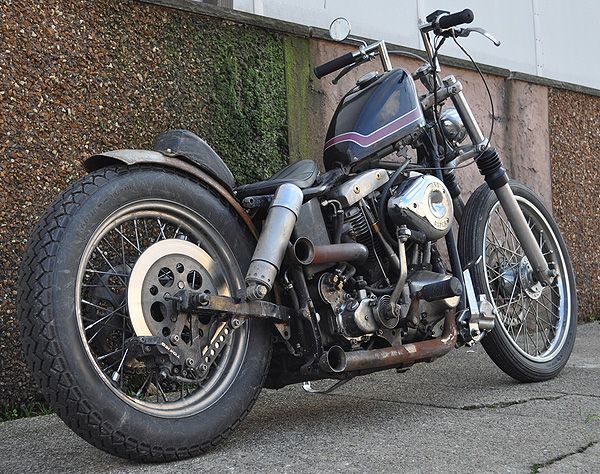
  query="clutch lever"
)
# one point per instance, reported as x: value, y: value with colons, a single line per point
x: 343, y: 72
x: 347, y: 69
x: 464, y: 32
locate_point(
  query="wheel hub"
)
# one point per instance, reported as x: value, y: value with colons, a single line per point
x: 508, y: 279
x: 530, y: 285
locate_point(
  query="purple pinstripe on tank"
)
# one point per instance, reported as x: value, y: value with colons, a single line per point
x: 379, y: 134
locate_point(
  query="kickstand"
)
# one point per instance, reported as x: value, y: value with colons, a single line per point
x: 308, y: 387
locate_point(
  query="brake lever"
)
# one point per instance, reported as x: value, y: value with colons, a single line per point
x: 343, y: 72
x: 365, y: 57
x: 464, y: 32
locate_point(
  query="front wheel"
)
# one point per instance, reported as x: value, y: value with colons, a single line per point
x: 535, y: 325
x: 98, y: 276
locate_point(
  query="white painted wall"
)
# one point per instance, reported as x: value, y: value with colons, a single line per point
x: 557, y: 39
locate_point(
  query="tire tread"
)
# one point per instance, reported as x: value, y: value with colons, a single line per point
x: 495, y: 343
x: 41, y: 347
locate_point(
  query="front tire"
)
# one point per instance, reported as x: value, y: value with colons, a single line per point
x: 535, y: 326
x: 74, y: 314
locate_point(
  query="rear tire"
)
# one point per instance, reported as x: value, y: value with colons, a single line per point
x: 535, y: 327
x: 62, y: 356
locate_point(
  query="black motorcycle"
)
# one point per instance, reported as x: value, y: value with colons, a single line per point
x: 157, y: 299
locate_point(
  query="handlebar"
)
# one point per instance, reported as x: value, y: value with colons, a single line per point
x: 335, y: 64
x: 455, y: 19
x: 436, y: 21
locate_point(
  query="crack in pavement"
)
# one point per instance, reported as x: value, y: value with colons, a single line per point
x: 588, y: 395
x: 480, y: 406
x: 536, y: 467
x: 505, y: 404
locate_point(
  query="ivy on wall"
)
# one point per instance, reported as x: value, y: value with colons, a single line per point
x: 79, y: 77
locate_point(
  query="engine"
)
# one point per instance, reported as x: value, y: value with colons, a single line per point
x: 359, y: 293
x: 422, y: 203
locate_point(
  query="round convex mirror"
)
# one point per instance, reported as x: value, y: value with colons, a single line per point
x: 339, y: 29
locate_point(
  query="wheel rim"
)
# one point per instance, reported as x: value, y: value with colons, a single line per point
x: 534, y: 319
x: 102, y: 308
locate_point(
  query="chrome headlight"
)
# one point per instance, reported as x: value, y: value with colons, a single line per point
x: 452, y: 126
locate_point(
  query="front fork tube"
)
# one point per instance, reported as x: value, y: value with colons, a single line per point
x: 490, y: 167
x: 532, y: 250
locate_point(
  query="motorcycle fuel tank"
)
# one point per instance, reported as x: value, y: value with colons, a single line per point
x: 372, y: 116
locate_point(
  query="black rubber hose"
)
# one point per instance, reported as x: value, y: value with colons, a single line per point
x: 339, y: 228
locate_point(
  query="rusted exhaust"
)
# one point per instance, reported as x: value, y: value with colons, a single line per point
x: 390, y: 357
x: 306, y: 253
x: 334, y: 360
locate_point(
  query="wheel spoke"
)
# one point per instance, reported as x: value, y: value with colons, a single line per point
x: 142, y: 390
x: 103, y: 300
x: 532, y: 317
x: 161, y: 227
x: 105, y: 317
x: 125, y: 239
x: 101, y: 252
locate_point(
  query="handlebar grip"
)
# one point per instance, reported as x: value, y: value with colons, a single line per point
x: 334, y: 65
x: 455, y: 19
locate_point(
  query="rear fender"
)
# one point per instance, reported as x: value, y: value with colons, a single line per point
x: 137, y: 157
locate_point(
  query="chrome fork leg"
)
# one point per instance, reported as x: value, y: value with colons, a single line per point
x: 523, y: 231
x: 490, y: 166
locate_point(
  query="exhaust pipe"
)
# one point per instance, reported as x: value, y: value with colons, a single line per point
x: 273, y: 241
x: 307, y: 253
x: 391, y: 357
x: 334, y: 360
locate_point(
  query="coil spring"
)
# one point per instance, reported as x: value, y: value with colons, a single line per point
x: 362, y: 233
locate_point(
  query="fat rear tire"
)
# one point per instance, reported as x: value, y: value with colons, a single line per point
x: 56, y: 352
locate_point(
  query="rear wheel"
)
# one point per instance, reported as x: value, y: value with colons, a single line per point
x: 101, y: 270
x: 535, y: 325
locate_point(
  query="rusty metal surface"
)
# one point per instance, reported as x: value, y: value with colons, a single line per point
x: 132, y: 157
x: 406, y: 354
x: 340, y: 253
x: 306, y: 253
x: 201, y: 303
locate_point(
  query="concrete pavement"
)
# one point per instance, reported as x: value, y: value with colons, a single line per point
x: 459, y: 414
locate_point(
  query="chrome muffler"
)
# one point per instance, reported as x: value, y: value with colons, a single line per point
x: 273, y: 241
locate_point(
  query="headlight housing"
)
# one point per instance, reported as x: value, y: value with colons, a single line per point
x: 452, y: 126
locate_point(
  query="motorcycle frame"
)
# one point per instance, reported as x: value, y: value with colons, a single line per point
x: 449, y: 88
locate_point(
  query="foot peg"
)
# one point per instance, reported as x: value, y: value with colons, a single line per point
x: 441, y: 290
x: 481, y: 316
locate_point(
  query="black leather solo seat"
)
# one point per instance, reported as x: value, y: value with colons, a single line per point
x: 301, y: 173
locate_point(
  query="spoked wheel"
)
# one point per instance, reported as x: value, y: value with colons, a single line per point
x: 131, y: 269
x: 535, y: 325
x: 122, y: 367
